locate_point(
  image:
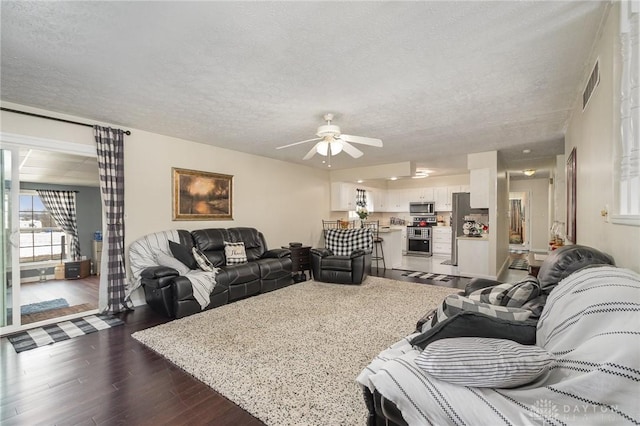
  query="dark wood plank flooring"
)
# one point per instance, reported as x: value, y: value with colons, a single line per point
x: 108, y: 378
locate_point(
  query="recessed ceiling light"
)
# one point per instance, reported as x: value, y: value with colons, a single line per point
x: 526, y: 151
x: 393, y: 178
x: 420, y: 176
x: 529, y: 172
x: 359, y: 181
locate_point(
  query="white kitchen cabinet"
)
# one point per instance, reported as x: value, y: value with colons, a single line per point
x: 421, y: 194
x: 404, y: 240
x: 377, y: 199
x: 343, y: 196
x: 442, y: 198
x: 473, y: 257
x: 441, y: 240
x: 479, y: 187
x: 398, y: 200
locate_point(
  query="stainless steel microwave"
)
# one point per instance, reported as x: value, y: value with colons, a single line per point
x: 422, y: 209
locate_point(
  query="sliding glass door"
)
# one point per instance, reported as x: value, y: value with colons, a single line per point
x: 9, y: 244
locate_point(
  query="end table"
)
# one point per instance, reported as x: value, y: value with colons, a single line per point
x: 300, y: 262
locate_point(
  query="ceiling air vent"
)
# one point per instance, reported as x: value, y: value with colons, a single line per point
x: 593, y: 82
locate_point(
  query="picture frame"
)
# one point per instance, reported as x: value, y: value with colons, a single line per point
x: 571, y: 196
x: 199, y: 195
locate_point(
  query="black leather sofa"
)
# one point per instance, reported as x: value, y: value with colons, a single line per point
x: 171, y: 294
x: 557, y: 266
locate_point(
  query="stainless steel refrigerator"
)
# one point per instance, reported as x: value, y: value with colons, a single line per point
x: 460, y: 207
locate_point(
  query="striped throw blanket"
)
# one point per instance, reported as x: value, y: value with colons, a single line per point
x: 590, y: 326
x: 144, y: 252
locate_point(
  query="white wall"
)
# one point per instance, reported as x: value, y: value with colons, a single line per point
x: 285, y: 201
x: 538, y: 193
x: 595, y: 135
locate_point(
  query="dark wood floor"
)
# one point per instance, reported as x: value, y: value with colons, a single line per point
x: 109, y: 378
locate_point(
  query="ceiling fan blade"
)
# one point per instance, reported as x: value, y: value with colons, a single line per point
x: 312, y: 152
x: 351, y: 150
x: 362, y: 140
x: 298, y: 143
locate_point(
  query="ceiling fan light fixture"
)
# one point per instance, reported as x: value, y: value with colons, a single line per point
x: 336, y: 147
x: 323, y: 148
x: 529, y: 172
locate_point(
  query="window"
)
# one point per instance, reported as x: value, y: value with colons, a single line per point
x: 628, y: 166
x: 40, y: 236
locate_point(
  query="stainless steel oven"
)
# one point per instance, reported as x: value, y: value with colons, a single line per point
x: 419, y: 240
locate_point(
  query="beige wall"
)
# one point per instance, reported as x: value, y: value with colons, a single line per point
x: 283, y: 200
x: 538, y: 194
x: 595, y: 134
x: 429, y: 182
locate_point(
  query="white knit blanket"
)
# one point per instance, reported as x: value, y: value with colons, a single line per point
x: 143, y: 254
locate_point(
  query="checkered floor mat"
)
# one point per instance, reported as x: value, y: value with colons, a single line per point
x: 430, y: 276
x: 520, y: 264
x: 65, y: 330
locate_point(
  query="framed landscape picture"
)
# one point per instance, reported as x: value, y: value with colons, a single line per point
x: 202, y: 195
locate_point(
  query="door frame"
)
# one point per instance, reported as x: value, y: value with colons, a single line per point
x: 526, y: 198
x: 13, y: 142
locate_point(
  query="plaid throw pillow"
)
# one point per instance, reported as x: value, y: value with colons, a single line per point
x: 454, y: 304
x: 511, y: 295
x: 235, y: 253
x: 203, y: 262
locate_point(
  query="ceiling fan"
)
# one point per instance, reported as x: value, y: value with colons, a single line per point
x: 332, y: 142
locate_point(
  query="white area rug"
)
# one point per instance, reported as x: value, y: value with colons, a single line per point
x: 291, y: 356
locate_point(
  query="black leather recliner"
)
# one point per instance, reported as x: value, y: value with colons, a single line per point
x: 346, y: 257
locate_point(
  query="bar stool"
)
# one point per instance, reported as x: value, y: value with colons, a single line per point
x: 378, y: 251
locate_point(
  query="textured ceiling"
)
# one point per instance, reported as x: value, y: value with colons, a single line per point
x: 433, y: 80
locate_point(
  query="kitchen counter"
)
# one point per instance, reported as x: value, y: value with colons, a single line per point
x: 483, y: 237
x: 384, y: 230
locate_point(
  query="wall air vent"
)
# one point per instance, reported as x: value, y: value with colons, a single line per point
x: 593, y: 82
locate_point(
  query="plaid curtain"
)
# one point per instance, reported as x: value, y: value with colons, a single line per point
x: 62, y: 206
x: 110, y: 148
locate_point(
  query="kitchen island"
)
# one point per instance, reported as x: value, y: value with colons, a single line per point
x: 392, y: 246
x: 473, y: 256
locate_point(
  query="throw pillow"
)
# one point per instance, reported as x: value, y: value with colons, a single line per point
x: 456, y: 303
x: 484, y: 363
x: 476, y: 324
x: 171, y: 262
x: 203, y: 262
x: 183, y: 254
x: 235, y: 253
x: 513, y: 295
